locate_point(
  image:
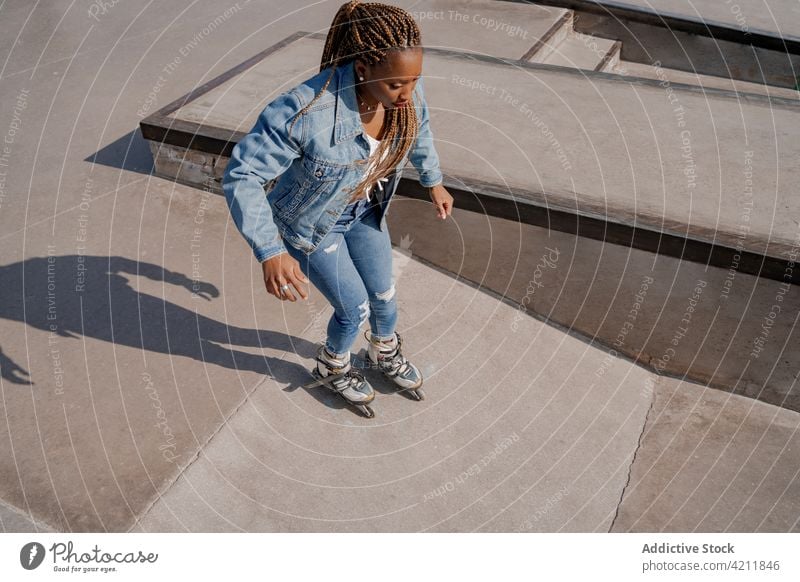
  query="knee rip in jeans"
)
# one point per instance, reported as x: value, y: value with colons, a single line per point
x: 364, y: 311
x: 386, y: 295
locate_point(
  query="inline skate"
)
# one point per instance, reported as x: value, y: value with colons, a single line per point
x: 387, y: 356
x: 339, y: 375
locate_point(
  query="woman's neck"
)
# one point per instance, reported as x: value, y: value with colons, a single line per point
x: 366, y: 103
x: 374, y: 123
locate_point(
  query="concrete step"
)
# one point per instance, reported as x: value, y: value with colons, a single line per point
x: 745, y: 22
x: 580, y: 51
x: 692, y: 39
x: 564, y: 47
x: 592, y: 35
x: 549, y: 41
x: 611, y: 58
x: 487, y: 27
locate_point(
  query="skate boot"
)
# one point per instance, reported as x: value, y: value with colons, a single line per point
x: 388, y: 357
x: 341, y: 377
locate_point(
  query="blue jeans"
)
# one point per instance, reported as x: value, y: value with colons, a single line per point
x: 352, y: 268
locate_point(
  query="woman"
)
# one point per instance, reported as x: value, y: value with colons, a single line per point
x: 336, y: 145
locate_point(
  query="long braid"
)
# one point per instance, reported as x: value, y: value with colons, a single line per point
x: 368, y: 31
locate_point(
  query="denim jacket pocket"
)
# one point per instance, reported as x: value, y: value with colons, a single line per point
x: 281, y: 199
x: 319, y: 178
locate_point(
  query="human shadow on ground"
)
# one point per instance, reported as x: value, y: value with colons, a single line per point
x: 77, y: 296
x: 11, y: 372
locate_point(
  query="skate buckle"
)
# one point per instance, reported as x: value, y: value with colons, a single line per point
x: 377, y: 343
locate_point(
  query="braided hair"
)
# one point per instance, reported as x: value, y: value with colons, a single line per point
x: 368, y: 32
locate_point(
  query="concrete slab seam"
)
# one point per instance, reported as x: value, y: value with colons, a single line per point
x: 196, y: 456
x: 29, y: 517
x: 656, y: 383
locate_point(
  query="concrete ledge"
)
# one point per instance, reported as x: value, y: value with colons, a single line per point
x: 614, y: 219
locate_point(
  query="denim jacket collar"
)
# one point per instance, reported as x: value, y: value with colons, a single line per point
x: 348, y: 119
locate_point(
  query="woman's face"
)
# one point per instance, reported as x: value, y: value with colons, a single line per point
x: 392, y: 80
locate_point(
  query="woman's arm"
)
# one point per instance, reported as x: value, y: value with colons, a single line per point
x: 425, y: 159
x: 423, y: 153
x: 262, y: 155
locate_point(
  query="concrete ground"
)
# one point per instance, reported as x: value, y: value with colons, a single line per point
x: 150, y: 384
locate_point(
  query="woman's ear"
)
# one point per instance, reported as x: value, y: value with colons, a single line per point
x: 360, y: 69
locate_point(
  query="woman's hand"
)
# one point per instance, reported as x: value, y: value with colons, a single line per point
x: 442, y: 199
x: 282, y: 269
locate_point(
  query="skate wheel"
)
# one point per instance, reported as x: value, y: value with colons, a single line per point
x: 366, y: 411
x: 418, y: 394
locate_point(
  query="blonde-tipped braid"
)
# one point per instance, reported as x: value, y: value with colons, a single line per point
x: 368, y: 32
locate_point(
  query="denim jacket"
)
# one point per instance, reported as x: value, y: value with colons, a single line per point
x: 314, y: 170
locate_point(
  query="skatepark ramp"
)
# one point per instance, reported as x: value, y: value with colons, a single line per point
x: 624, y: 171
x: 594, y: 361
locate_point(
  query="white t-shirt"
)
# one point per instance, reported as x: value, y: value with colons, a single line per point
x: 373, y: 145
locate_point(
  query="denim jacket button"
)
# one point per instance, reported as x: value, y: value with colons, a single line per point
x: 318, y: 173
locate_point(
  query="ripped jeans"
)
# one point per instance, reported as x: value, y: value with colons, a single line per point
x: 352, y: 268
